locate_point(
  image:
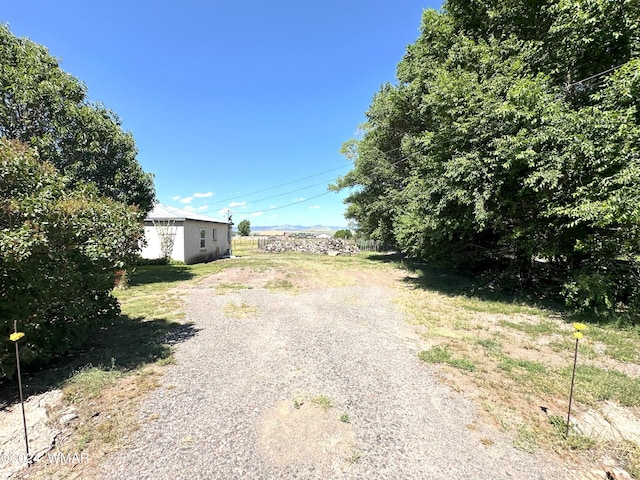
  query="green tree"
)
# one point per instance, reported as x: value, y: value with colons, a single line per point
x: 60, y: 245
x: 502, y: 147
x: 46, y: 108
x: 244, y: 228
x: 346, y: 234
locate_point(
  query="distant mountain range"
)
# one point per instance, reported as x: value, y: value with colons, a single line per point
x: 296, y: 228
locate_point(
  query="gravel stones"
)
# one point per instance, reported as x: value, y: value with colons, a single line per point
x: 224, y: 408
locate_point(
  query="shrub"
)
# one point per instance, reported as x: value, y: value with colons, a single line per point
x: 60, y: 247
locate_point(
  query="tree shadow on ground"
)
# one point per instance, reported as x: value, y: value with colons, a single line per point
x: 426, y: 276
x: 124, y: 344
x: 147, y: 274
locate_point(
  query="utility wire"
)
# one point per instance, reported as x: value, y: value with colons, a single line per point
x: 316, y: 196
x: 596, y: 75
x: 225, y: 200
x: 285, y: 206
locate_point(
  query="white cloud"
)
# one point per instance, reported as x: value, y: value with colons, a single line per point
x: 223, y: 213
x: 298, y: 199
x: 177, y: 197
x: 256, y: 214
x: 314, y: 207
x: 203, y: 208
x: 271, y: 207
x: 237, y: 204
x: 203, y: 195
x: 189, y: 208
x: 186, y: 200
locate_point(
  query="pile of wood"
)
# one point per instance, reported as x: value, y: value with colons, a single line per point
x: 329, y: 246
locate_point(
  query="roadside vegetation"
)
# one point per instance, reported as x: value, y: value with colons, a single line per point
x: 509, y: 146
x: 514, y: 356
x: 511, y: 356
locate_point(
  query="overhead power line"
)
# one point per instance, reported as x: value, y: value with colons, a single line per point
x: 250, y: 194
x: 596, y: 75
x: 332, y: 180
x: 266, y: 210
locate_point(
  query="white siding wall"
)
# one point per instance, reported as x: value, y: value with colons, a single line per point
x: 186, y: 246
x: 152, y: 250
x: 212, y: 248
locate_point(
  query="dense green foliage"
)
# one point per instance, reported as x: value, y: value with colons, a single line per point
x: 72, y: 195
x: 345, y: 233
x: 511, y: 142
x: 46, y: 108
x: 60, y: 245
x: 244, y: 228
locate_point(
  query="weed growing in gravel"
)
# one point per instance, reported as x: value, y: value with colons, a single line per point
x: 354, y: 457
x: 224, y: 288
x: 239, y: 310
x: 345, y: 418
x: 322, y: 401
x: 279, y: 284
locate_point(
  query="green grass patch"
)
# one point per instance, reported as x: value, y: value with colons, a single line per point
x: 490, y: 344
x: 622, y: 344
x: 510, y: 364
x: 89, y: 382
x: 568, y: 344
x: 595, y: 384
x: 443, y: 355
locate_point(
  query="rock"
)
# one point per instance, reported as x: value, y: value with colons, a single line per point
x: 42, y: 434
x: 329, y: 246
x: 67, y: 418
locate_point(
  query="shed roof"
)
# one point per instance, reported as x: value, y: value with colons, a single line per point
x: 165, y: 212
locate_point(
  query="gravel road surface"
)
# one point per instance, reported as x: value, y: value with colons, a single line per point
x: 325, y: 384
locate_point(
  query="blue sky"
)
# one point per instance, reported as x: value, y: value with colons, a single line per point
x: 241, y: 105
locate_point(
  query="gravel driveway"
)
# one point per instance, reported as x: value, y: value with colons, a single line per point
x: 323, y: 384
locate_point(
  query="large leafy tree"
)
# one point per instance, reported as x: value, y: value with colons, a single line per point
x: 60, y: 245
x: 512, y: 141
x: 46, y: 108
x: 72, y: 195
x: 244, y: 228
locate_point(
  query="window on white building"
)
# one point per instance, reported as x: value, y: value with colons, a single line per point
x: 202, y: 238
x: 214, y: 235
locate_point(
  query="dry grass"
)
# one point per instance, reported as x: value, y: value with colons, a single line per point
x: 239, y: 310
x: 515, y: 360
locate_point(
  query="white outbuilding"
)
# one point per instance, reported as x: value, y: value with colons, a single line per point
x: 185, y: 236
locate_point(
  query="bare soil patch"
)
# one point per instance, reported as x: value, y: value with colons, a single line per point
x: 306, y: 436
